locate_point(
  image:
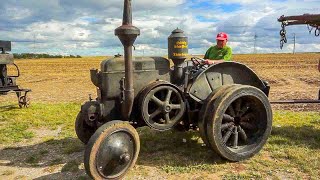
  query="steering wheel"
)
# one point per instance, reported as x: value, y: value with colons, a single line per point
x: 199, y: 63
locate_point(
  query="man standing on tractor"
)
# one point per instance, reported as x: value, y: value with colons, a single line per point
x: 220, y: 52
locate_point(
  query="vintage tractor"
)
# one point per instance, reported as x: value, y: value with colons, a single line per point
x: 8, y: 82
x: 227, y: 102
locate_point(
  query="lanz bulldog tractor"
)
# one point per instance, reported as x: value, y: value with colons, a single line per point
x: 227, y: 102
x: 8, y: 82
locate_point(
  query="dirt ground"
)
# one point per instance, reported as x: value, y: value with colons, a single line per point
x: 68, y: 80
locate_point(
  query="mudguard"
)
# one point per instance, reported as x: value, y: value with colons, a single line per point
x: 222, y: 74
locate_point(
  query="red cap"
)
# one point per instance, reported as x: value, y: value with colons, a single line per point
x: 222, y: 36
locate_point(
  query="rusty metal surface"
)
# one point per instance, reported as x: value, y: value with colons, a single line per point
x: 139, y: 63
x: 223, y: 74
x: 311, y: 20
x: 161, y: 105
x: 112, y: 151
x: 304, y: 19
x: 239, y: 122
x: 110, y: 80
x: 95, y: 77
x: 127, y: 34
x: 146, y: 69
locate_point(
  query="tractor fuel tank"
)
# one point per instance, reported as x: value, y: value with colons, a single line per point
x: 110, y: 79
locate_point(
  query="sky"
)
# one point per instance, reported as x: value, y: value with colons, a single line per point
x: 86, y: 27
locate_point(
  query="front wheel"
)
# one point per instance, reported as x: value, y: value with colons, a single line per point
x: 112, y: 151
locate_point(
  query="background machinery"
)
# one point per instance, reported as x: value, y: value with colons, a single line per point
x: 8, y: 82
x: 227, y: 102
x: 311, y: 20
x: 313, y: 23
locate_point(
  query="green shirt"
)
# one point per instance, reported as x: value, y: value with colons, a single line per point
x: 214, y: 53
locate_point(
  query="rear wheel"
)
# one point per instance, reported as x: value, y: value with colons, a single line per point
x: 239, y: 122
x: 202, y: 124
x: 112, y: 151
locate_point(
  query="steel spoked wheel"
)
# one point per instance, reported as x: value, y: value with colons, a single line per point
x: 112, y: 151
x: 83, y: 130
x: 24, y: 101
x: 202, y: 123
x: 162, y: 107
x: 239, y: 123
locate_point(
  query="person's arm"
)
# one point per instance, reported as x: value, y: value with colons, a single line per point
x: 217, y: 61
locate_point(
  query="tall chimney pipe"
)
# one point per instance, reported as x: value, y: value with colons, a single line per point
x: 127, y: 33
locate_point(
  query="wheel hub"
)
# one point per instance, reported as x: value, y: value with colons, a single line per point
x: 124, y: 158
x: 167, y: 108
x: 237, y: 121
x: 114, y: 155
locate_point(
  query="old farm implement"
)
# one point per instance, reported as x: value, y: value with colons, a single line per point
x: 227, y: 102
x: 8, y: 82
x: 313, y: 24
x: 311, y: 20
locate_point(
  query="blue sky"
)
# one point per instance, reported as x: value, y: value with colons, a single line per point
x: 87, y: 27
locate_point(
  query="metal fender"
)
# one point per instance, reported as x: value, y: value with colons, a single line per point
x: 222, y: 74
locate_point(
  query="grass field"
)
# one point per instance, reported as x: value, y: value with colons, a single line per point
x: 40, y: 142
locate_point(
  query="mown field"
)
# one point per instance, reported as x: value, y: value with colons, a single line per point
x: 40, y: 142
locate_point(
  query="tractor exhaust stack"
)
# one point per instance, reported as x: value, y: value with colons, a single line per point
x: 127, y: 33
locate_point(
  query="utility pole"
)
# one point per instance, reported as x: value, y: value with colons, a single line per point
x: 294, y: 43
x: 255, y: 44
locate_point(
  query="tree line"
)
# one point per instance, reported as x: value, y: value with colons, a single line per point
x: 38, y: 56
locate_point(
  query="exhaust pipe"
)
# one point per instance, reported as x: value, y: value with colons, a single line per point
x: 127, y: 33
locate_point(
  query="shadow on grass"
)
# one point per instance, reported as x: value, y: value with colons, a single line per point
x: 49, y: 155
x: 65, y: 175
x: 179, y: 151
x: 158, y: 149
x: 8, y: 108
x: 175, y: 149
x: 305, y: 136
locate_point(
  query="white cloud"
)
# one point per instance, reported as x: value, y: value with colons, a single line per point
x: 16, y: 13
x: 87, y: 27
